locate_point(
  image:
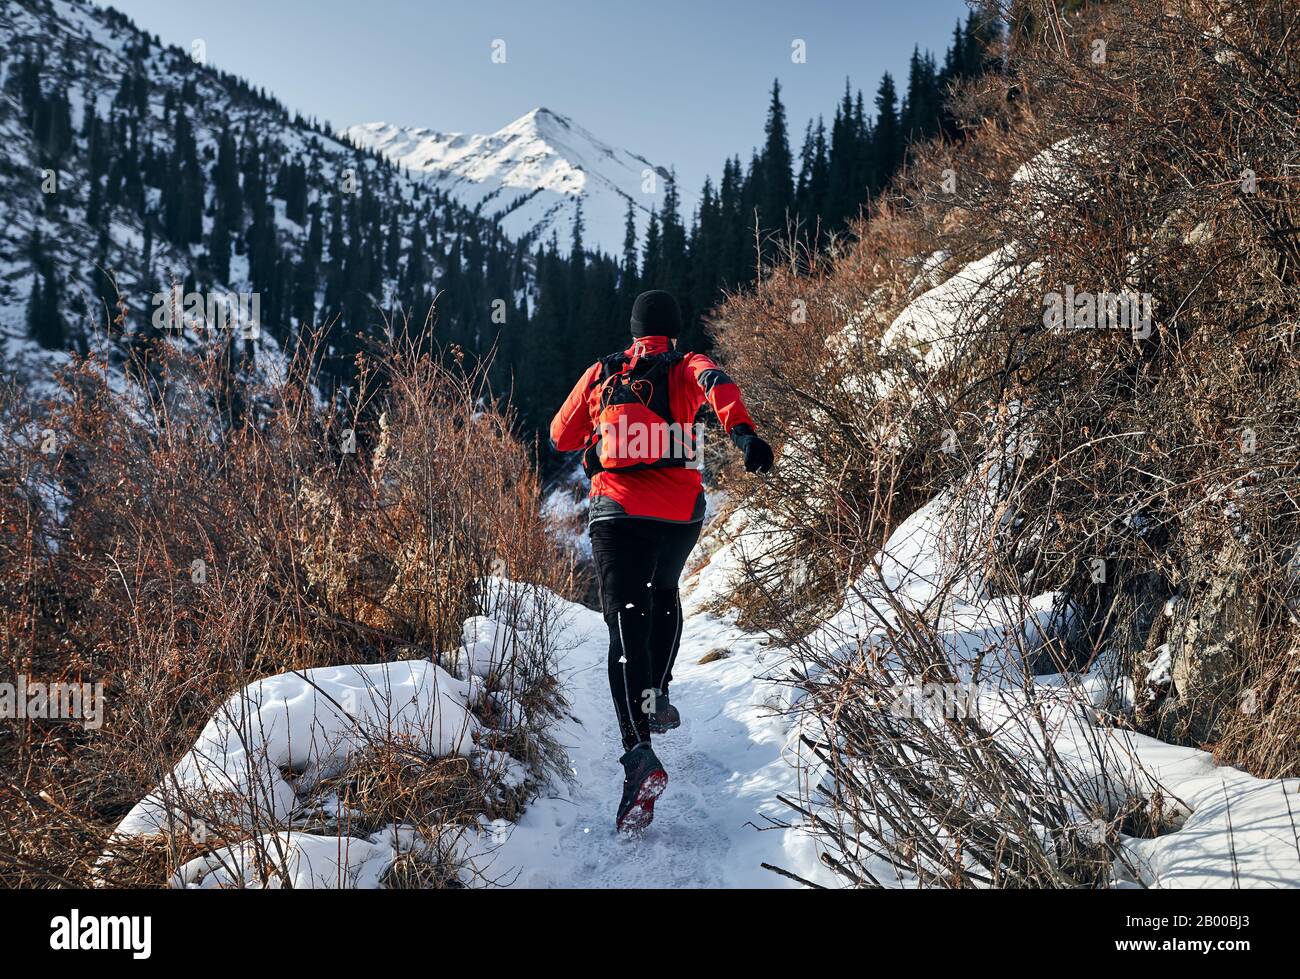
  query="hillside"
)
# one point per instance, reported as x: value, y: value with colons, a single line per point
x: 531, y: 176
x: 1032, y: 537
x: 127, y: 168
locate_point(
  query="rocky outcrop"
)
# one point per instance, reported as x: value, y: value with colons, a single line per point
x: 1220, y: 613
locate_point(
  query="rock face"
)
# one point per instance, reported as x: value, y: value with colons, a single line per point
x: 1139, y: 630
x: 1210, y: 628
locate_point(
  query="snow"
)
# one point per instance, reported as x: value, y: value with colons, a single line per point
x: 531, y: 173
x: 956, y: 307
x: 738, y: 748
x: 311, y: 722
x: 88, y: 57
x: 486, y: 645
x: 1239, y: 831
x: 564, y: 508
x: 933, y: 321
x: 728, y: 763
x: 726, y: 766
x: 746, y: 538
x: 736, y: 753
x: 300, y: 860
x: 1161, y: 666
x: 1052, y: 177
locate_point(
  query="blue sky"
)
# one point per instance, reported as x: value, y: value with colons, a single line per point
x: 682, y: 82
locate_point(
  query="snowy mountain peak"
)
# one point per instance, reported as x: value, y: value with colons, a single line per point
x: 543, y: 123
x: 530, y: 174
x: 540, y: 116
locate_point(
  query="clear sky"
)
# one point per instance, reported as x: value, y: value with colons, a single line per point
x: 682, y: 82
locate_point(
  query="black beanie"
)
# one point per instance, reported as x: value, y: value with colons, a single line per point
x: 656, y: 314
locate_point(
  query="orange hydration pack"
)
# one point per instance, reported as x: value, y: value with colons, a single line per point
x: 635, y: 428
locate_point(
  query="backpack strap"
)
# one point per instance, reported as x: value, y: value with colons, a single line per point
x: 612, y: 374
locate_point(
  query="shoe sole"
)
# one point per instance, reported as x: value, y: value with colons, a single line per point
x: 642, y: 810
x: 659, y: 728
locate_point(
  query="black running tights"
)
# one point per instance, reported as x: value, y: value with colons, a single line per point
x: 638, y: 563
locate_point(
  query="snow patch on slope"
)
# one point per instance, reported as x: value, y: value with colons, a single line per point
x: 311, y: 722
x: 1240, y: 831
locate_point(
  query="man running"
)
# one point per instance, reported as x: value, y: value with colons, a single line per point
x: 634, y: 415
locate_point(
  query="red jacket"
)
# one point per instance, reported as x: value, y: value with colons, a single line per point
x: 673, y: 494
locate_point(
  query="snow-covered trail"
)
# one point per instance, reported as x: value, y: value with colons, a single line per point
x: 725, y: 768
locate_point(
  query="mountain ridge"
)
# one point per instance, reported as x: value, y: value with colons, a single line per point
x: 531, y: 175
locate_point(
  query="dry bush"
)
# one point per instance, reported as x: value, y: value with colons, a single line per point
x: 1153, y: 479
x: 803, y: 341
x: 1173, y: 456
x: 204, y: 526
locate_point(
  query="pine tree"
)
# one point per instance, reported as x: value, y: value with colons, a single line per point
x: 912, y: 115
x: 629, y: 275
x: 651, y: 254
x: 219, y: 247
x: 577, y: 253
x: 673, y: 271
x: 146, y: 253
x: 887, y: 142
x: 819, y: 181
x: 706, y: 246
x: 776, y: 196
x: 35, y: 309
x: 45, y: 322
x: 295, y: 196
x: 225, y: 182
x: 316, y: 237
x: 94, y: 203
x: 811, y: 189
x: 735, y: 226
x: 844, y: 187
x: 304, y: 292
x: 975, y: 37
x: 954, y: 63
x: 98, y: 145
x: 392, y: 245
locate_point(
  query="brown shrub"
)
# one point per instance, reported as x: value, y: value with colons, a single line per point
x: 1169, y: 459
x: 208, y: 527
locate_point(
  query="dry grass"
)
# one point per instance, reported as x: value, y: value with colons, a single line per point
x: 352, y: 530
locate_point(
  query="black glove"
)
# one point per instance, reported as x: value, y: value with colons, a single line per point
x: 758, y: 454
